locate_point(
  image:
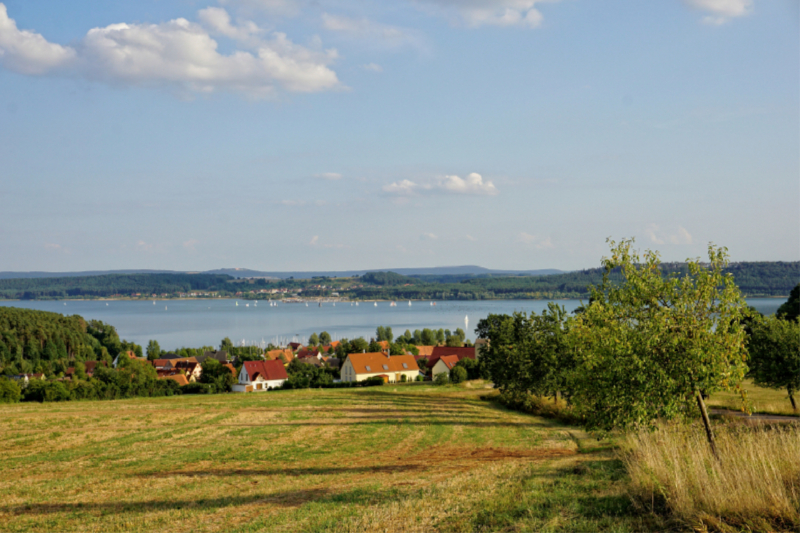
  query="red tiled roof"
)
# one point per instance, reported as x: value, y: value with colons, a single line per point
x: 268, y: 370
x: 377, y: 360
x: 180, y: 379
x: 307, y: 353
x: 449, y: 360
x: 425, y: 351
x: 275, y: 354
x: 461, y: 352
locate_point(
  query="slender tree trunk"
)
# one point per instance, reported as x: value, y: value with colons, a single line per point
x: 791, y: 399
x: 707, y: 423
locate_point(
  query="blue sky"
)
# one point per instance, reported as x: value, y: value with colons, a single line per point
x: 308, y: 135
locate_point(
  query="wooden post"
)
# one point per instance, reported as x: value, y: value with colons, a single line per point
x: 707, y: 423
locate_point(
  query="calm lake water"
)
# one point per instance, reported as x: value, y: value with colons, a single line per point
x: 195, y: 323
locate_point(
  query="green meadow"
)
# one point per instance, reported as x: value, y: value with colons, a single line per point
x: 392, y: 458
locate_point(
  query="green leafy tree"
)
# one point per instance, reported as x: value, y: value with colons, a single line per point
x: 80, y: 370
x: 396, y: 349
x: 313, y: 340
x: 458, y: 374
x: 374, y: 346
x: 441, y: 337
x: 226, y: 345
x: 428, y: 337
x: 790, y: 310
x: 325, y: 338
x: 652, y: 345
x: 774, y: 348
x: 441, y: 379
x: 153, y: 350
x: 9, y: 391
x: 218, y: 376
x: 358, y: 345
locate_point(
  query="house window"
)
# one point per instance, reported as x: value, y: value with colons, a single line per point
x: 385, y: 367
x: 369, y: 369
x: 405, y: 365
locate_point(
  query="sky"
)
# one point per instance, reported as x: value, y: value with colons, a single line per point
x: 342, y: 134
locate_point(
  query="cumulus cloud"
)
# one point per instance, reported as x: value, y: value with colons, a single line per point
x: 27, y: 52
x: 476, y: 13
x: 373, y: 67
x: 314, y: 240
x: 331, y: 176
x: 428, y: 237
x: 682, y: 236
x: 218, y: 21
x: 282, y: 8
x: 534, y: 240
x: 178, y: 54
x: 721, y: 11
x: 472, y: 184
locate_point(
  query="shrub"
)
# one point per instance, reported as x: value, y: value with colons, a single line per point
x: 403, y: 378
x: 9, y: 391
x: 458, y: 374
x: 197, y: 388
x: 441, y: 379
x: 39, y: 390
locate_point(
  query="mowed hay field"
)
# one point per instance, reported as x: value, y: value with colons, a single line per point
x: 391, y: 458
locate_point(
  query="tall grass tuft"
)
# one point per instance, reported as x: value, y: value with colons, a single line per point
x: 754, y: 485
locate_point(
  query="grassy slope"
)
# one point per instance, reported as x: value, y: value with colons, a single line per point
x: 759, y: 399
x: 393, y: 458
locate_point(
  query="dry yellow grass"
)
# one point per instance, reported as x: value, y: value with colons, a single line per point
x: 755, y: 484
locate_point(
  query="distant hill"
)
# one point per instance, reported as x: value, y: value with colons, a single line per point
x: 469, y: 270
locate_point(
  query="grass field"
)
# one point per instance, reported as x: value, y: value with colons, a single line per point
x: 392, y: 458
x: 759, y: 400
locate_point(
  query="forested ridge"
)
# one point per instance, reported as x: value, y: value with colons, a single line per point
x: 109, y: 285
x: 753, y: 278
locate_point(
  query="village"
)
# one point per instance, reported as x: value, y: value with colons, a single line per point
x: 270, y: 371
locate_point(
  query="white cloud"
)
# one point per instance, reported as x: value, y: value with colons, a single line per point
x: 143, y: 246
x: 373, y: 67
x: 292, y: 203
x: 428, y: 237
x: 27, y: 52
x: 314, y: 240
x: 177, y: 54
x: 534, y: 240
x: 218, y: 21
x: 650, y: 231
x: 472, y: 184
x: 332, y: 176
x: 721, y: 10
x: 470, y: 238
x: 476, y: 13
x: 682, y: 236
x: 376, y: 32
x: 190, y: 245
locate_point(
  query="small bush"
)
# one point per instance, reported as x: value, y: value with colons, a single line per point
x: 458, y: 374
x: 197, y: 388
x: 9, y: 391
x: 441, y: 379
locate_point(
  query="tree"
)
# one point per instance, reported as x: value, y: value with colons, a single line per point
x: 217, y: 375
x: 313, y: 340
x: 428, y: 337
x: 527, y: 354
x: 790, y: 310
x: 441, y: 379
x: 458, y: 374
x: 325, y: 338
x: 153, y: 350
x: 374, y: 346
x: 471, y: 366
x: 358, y: 345
x: 774, y: 347
x: 226, y: 345
x: 441, y: 338
x: 9, y: 391
x: 80, y: 370
x: 651, y: 345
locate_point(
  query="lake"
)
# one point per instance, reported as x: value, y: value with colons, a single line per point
x: 195, y: 323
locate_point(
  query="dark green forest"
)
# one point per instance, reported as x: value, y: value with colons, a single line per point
x: 754, y: 279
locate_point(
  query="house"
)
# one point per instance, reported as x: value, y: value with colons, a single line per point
x: 311, y: 361
x: 89, y: 365
x: 294, y: 346
x: 191, y: 369
x: 333, y: 362
x: 129, y: 354
x: 231, y: 368
x: 425, y: 351
x: 260, y: 376
x: 162, y: 363
x: 481, y: 345
x: 461, y: 352
x: 362, y: 366
x: 24, y: 379
x: 309, y: 352
x: 180, y: 379
x: 221, y: 356
x: 446, y: 363
x: 286, y: 354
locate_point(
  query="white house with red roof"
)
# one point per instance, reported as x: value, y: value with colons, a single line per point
x: 260, y: 376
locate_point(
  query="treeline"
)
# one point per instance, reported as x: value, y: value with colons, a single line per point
x: 110, y: 285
